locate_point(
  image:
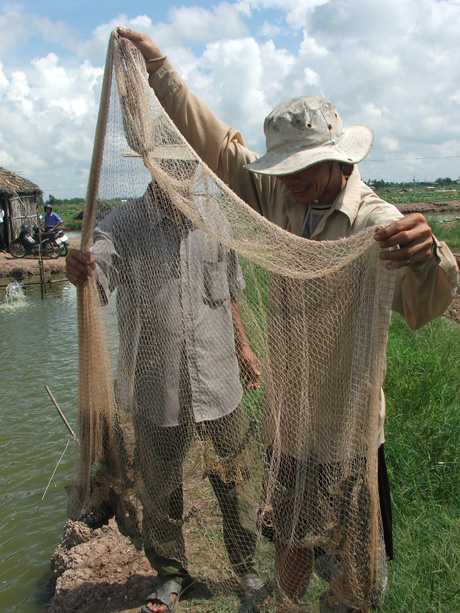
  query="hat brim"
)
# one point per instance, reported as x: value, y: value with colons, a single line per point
x: 352, y: 148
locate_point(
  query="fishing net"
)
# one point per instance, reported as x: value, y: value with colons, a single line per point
x: 193, y: 466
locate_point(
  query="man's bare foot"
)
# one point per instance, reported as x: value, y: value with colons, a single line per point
x: 164, y: 598
x: 157, y: 607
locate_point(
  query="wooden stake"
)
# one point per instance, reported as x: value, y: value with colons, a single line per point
x: 72, y: 433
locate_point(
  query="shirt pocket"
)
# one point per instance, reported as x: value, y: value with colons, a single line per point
x: 216, y: 290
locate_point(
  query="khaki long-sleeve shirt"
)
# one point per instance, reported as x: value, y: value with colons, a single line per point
x: 423, y: 290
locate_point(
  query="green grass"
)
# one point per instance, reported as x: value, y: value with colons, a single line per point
x: 423, y: 424
x: 68, y: 212
x: 448, y: 232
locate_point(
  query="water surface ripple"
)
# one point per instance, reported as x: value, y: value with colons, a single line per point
x: 38, y: 345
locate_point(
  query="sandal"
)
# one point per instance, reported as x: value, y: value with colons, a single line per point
x: 162, y: 595
x: 255, y: 594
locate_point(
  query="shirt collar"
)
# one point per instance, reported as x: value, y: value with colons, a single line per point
x: 349, y: 198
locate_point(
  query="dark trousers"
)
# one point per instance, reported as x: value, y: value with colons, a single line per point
x: 161, y: 453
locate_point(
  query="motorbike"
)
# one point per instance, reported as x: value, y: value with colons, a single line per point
x: 57, y: 235
x: 25, y: 244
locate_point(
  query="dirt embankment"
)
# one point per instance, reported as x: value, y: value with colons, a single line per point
x: 429, y: 207
x: 28, y: 266
x: 98, y: 571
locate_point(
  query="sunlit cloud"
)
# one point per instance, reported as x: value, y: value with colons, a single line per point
x: 389, y: 65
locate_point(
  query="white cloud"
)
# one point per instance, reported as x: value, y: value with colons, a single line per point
x: 6, y: 160
x: 269, y: 30
x: 390, y: 143
x: 371, y: 110
x: 455, y: 97
x: 18, y: 89
x: 309, y: 47
x: 47, y: 121
x: 391, y: 65
x: 239, y: 65
x: 3, y: 79
x: 197, y: 24
x: 312, y: 77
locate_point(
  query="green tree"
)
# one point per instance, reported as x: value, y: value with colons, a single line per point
x: 379, y: 183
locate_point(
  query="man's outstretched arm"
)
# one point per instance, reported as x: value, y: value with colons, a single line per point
x: 249, y: 363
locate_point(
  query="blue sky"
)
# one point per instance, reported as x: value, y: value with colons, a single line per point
x: 391, y: 65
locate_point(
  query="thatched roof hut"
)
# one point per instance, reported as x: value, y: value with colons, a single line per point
x: 19, y: 198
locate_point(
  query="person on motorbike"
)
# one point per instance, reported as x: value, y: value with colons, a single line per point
x: 52, y: 220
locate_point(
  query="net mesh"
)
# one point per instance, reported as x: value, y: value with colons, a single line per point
x: 193, y: 466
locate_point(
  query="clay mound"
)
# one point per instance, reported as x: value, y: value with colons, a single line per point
x: 98, y: 570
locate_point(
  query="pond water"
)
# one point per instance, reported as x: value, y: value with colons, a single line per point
x: 38, y: 346
x: 442, y: 216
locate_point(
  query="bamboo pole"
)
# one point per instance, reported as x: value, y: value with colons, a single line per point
x: 98, y: 152
x: 72, y: 433
x: 40, y: 259
x: 89, y: 416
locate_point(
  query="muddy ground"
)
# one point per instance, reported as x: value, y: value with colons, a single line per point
x: 429, y: 207
x: 98, y: 571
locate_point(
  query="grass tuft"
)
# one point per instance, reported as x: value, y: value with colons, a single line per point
x: 423, y: 424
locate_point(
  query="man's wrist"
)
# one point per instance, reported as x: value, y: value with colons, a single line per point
x: 154, y: 63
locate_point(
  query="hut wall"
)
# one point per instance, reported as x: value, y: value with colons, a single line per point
x: 22, y: 209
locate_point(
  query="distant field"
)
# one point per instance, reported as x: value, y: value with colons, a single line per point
x: 70, y: 211
x: 418, y: 194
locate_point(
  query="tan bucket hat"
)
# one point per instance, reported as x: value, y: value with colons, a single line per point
x: 303, y: 131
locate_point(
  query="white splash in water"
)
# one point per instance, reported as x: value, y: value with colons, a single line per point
x: 14, y: 295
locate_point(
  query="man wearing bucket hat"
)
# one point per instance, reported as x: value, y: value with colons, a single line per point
x: 310, y: 162
x: 161, y: 294
x: 308, y: 183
